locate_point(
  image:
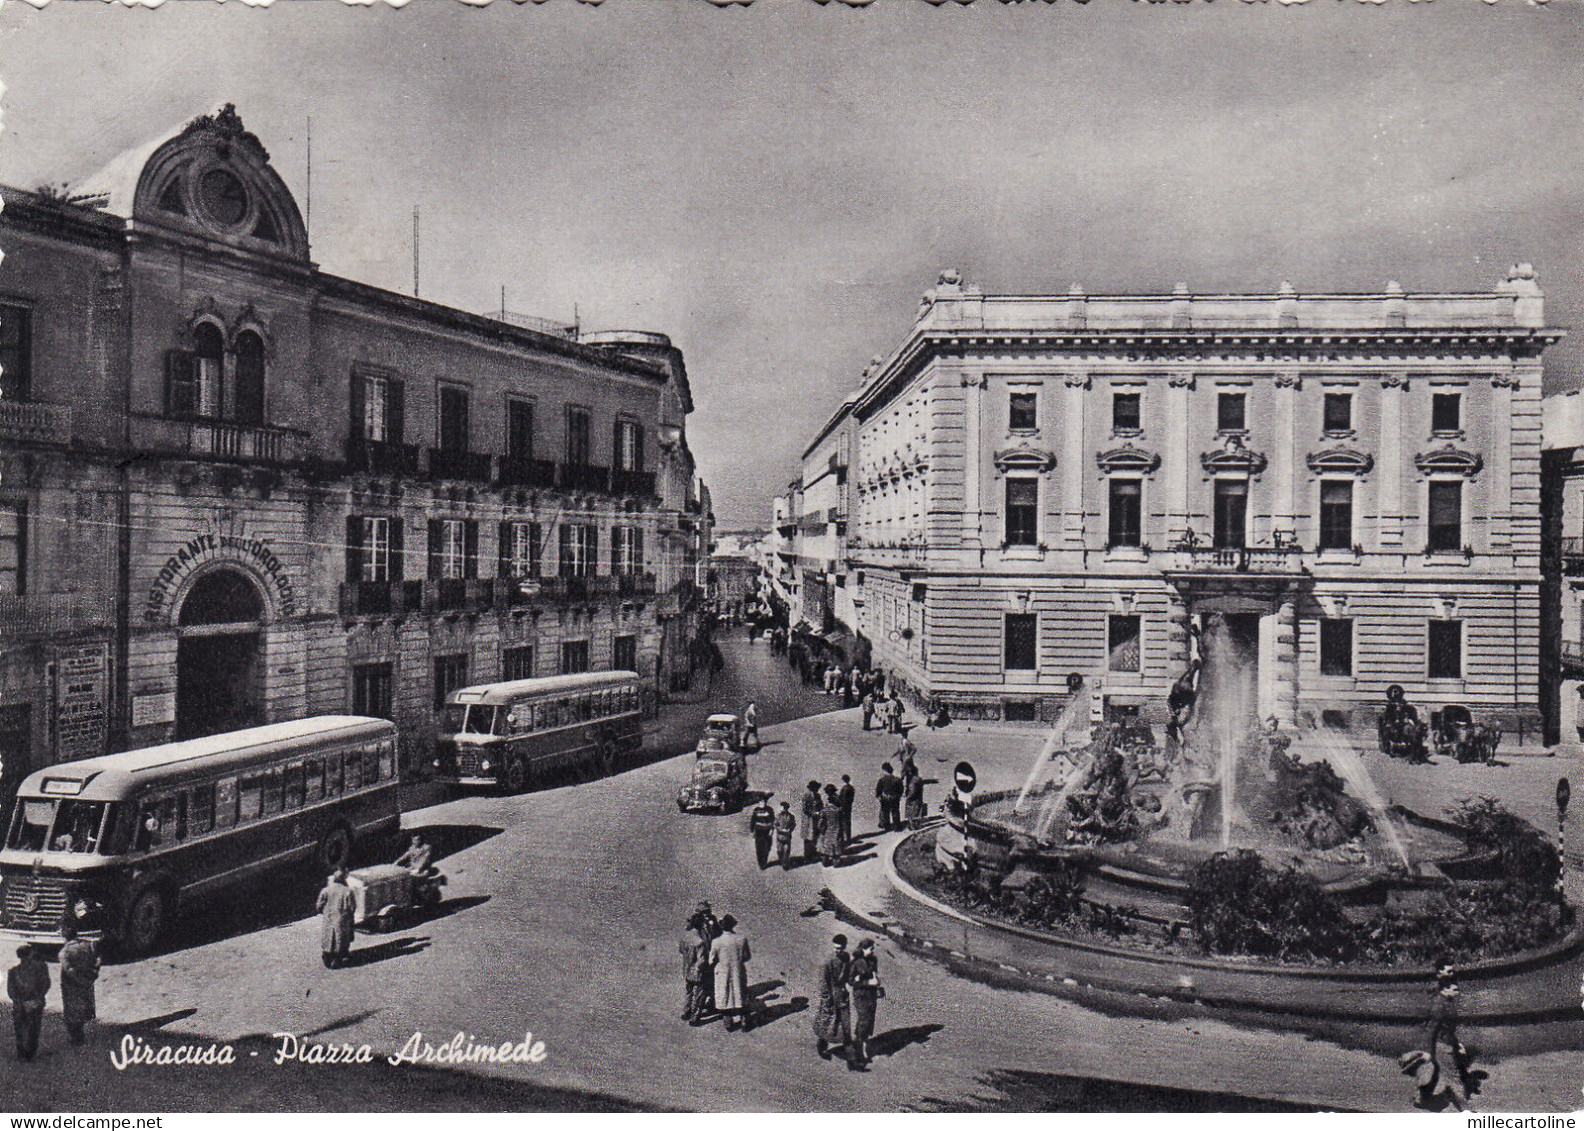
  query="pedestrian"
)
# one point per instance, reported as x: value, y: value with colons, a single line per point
x: 888, y: 790
x: 830, y: 842
x: 694, y: 949
x: 79, y: 969
x: 905, y: 754
x: 1441, y: 1068
x: 867, y: 703
x: 844, y: 801
x: 864, y: 991
x: 339, y: 908
x: 913, y: 799
x: 785, y: 823
x: 27, y: 984
x: 709, y: 927
x: 762, y: 823
x: 750, y: 726
x: 831, y: 1017
x: 729, y: 957
x: 896, y: 713
x: 811, y: 821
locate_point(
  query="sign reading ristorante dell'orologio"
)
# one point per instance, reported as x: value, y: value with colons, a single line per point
x: 216, y: 546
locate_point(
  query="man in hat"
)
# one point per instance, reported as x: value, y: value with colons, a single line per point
x: 27, y: 984
x: 785, y: 823
x: 888, y: 790
x: 845, y: 795
x: 831, y: 1030
x: 812, y: 806
x: 761, y: 822
x: 338, y: 908
x: 79, y: 969
x: 863, y: 987
x: 694, y: 949
x: 708, y: 927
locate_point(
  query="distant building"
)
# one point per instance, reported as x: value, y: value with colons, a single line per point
x: 235, y: 489
x: 1048, y: 484
x: 820, y: 541
x: 1562, y: 558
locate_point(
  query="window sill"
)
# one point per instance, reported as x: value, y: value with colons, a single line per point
x: 1338, y: 557
x: 1023, y: 553
x: 1448, y: 558
x: 1339, y: 434
x: 1023, y: 431
x: 1127, y: 433
x: 1444, y: 684
x: 1127, y: 554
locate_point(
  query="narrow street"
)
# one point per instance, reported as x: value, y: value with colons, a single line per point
x: 562, y: 917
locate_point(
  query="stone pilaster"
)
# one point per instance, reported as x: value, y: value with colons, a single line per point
x: 1393, y: 386
x: 1285, y: 442
x: 1074, y: 466
x: 1178, y: 473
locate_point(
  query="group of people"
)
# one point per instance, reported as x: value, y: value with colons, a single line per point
x: 715, y: 961
x: 28, y: 985
x: 901, y: 799
x: 827, y: 822
x: 889, y: 710
x: 849, y: 991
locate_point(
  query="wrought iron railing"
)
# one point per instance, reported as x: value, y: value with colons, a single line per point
x: 35, y: 422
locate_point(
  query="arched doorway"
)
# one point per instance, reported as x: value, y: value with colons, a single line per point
x: 219, y: 671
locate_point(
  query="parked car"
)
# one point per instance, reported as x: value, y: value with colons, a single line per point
x: 721, y: 732
x: 719, y: 783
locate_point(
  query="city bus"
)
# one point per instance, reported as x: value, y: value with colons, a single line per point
x: 119, y: 843
x: 511, y: 735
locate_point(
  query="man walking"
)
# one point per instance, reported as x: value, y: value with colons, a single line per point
x: 729, y: 956
x: 844, y: 802
x: 761, y: 822
x: 868, y: 705
x: 863, y: 985
x: 338, y: 907
x: 830, y: 842
x: 889, y: 792
x: 785, y: 823
x: 750, y: 726
x: 27, y: 985
x: 811, y: 819
x: 694, y: 949
x: 830, y: 1016
x: 79, y: 963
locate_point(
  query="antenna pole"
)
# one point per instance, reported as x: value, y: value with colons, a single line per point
x: 415, y: 251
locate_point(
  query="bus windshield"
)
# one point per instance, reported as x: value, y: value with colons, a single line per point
x: 460, y: 718
x: 78, y: 826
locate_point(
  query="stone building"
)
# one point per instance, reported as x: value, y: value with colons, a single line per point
x: 236, y: 489
x: 819, y: 551
x: 1347, y: 484
x: 1562, y: 564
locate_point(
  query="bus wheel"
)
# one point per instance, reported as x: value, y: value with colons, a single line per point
x: 335, y: 850
x: 516, y: 776
x: 144, y: 922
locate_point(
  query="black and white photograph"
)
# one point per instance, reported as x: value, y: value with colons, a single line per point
x: 791, y: 556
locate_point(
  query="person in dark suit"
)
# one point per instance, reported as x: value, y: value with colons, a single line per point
x: 888, y: 790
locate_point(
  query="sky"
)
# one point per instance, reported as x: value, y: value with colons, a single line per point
x: 775, y: 186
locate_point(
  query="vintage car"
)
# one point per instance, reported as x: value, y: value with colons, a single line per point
x: 721, y: 732
x: 1456, y: 735
x: 719, y: 785
x: 386, y: 894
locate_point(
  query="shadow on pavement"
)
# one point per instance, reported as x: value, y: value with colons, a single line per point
x: 893, y: 1041
x: 149, y: 1024
x: 448, y: 840
x: 1046, y: 1091
x: 446, y: 907
x: 770, y: 1012
x: 383, y: 952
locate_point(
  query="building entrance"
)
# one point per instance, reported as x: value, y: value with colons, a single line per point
x: 219, y: 671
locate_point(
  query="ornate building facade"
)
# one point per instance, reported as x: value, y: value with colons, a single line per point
x: 236, y: 489
x: 1046, y: 485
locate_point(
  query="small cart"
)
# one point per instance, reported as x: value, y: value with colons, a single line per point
x: 386, y: 894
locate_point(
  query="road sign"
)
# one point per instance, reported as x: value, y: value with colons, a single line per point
x: 965, y: 777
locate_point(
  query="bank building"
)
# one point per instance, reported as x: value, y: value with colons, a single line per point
x: 1347, y: 485
x: 236, y: 489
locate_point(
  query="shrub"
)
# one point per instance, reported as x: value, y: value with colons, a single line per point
x: 1236, y: 905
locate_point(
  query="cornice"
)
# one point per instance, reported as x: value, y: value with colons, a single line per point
x: 1449, y: 460
x: 1342, y: 460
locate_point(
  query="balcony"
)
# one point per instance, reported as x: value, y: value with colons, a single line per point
x: 1572, y: 658
x: 381, y: 458
x: 519, y: 472
x: 1256, y: 560
x: 635, y: 585
x: 584, y: 477
x: 218, y: 439
x: 45, y: 614
x: 640, y: 483
x: 458, y: 595
x: 446, y: 463
x: 34, y: 422
x: 380, y: 598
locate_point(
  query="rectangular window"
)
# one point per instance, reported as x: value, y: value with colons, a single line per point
x: 272, y: 794
x: 374, y: 404
x: 371, y: 691
x: 1446, y: 412
x: 450, y: 673
x: 1126, y: 512
x: 629, y: 446
x: 1336, y: 514
x: 1023, y: 412
x: 1022, y: 642
x: 1230, y: 412
x: 1336, y: 646
x: 1338, y: 412
x: 313, y: 780
x: 376, y: 549
x: 333, y: 775
x: 1022, y: 512
x: 624, y: 654
x: 574, y: 656
x: 294, y: 786
x: 16, y: 352
x: 577, y: 437
x: 1444, y: 654
x: 201, y: 810
x: 453, y: 548
x: 225, y: 803
x: 1231, y: 513
x: 250, y: 801
x: 1123, y: 635
x: 352, y: 770
x: 519, y: 429
x: 377, y: 408
x: 13, y: 548
x: 1446, y: 516
x: 519, y: 549
x: 1126, y: 415
x: 578, y: 546
x: 517, y: 663
x: 453, y: 418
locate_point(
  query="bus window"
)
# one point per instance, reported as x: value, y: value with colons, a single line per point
x: 225, y: 803
x: 77, y: 826
x: 585, y: 708
x: 118, y: 829
x: 313, y: 770
x: 272, y: 793
x: 293, y: 786
x: 481, y: 720
x: 333, y: 774
x: 387, y: 761
x: 520, y: 720
x: 452, y: 718
x: 544, y: 715
x: 251, y: 798
x: 31, y: 828
x: 201, y: 809
x: 163, y: 821
x: 371, y: 764
x: 353, y: 764
x: 602, y: 704
x: 565, y: 713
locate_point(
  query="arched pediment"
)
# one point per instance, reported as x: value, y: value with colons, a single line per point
x: 1024, y: 457
x: 1341, y: 461
x: 1449, y: 460
x: 1128, y: 458
x: 1233, y: 459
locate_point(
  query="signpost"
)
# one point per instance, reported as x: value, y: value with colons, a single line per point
x: 1564, y: 791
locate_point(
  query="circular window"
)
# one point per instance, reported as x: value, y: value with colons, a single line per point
x: 223, y: 195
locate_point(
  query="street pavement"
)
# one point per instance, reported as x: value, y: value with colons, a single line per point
x: 563, y: 914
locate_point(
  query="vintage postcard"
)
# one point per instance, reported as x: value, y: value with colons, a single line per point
x: 894, y: 556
